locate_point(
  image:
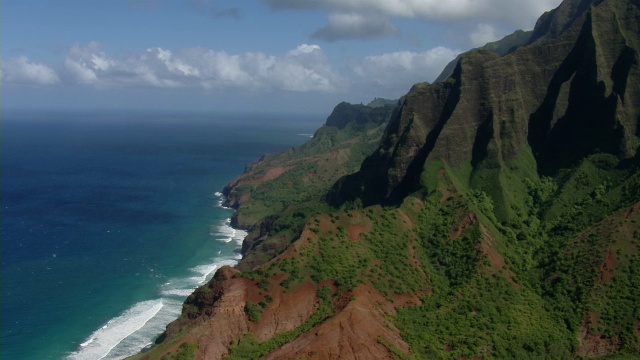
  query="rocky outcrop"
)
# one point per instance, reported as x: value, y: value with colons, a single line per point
x: 359, y: 331
x: 214, y: 315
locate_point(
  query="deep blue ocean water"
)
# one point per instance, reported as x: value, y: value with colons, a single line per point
x: 109, y: 220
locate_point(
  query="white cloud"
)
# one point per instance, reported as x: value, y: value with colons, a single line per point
x: 20, y: 70
x: 173, y: 65
x: 522, y: 13
x: 399, y: 70
x: 85, y: 63
x: 304, y: 49
x: 483, y: 34
x: 355, y: 26
x: 304, y: 69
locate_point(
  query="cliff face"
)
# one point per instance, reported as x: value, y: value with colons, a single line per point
x: 496, y: 216
x: 562, y: 97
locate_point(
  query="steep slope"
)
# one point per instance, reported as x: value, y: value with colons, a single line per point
x: 497, y: 217
x: 560, y: 98
x: 542, y: 141
x: 276, y: 195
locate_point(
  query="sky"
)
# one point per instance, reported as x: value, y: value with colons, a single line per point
x: 293, y: 56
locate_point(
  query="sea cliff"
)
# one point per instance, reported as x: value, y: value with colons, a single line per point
x: 493, y: 214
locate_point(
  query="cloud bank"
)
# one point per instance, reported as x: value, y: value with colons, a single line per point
x: 521, y: 14
x: 304, y: 69
x: 484, y: 33
x: 399, y: 70
x: 370, y: 19
x: 20, y: 70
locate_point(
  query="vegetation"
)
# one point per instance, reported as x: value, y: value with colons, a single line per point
x: 249, y: 347
x: 161, y: 350
x: 475, y: 309
x: 487, y: 317
x: 281, y: 206
x: 253, y: 311
x: 494, y: 286
x: 514, y: 222
x: 337, y: 149
x: 186, y: 351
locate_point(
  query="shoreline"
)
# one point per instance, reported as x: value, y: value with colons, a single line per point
x: 135, y: 330
x: 129, y: 225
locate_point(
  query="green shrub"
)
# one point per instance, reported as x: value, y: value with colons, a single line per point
x: 253, y: 311
x: 186, y: 351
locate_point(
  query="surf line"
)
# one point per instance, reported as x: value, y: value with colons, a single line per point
x: 103, y: 341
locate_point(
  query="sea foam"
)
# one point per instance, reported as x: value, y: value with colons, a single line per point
x: 224, y: 232
x: 207, y: 271
x: 145, y: 335
x: 103, y: 340
x: 183, y: 287
x: 221, y: 200
x: 130, y: 332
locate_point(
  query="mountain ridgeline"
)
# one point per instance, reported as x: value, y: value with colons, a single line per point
x: 547, y: 105
x: 494, y: 214
x: 501, y: 47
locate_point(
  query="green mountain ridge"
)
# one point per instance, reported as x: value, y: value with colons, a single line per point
x: 495, y: 214
x: 281, y: 191
x: 559, y: 112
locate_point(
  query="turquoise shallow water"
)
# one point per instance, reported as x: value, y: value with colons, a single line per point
x: 109, y: 220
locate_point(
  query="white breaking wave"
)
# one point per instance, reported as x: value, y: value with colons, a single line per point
x: 207, y: 271
x: 145, y: 336
x: 185, y: 286
x: 239, y: 237
x: 127, y: 334
x: 224, y: 232
x: 183, y: 293
x: 103, y: 340
x: 221, y: 200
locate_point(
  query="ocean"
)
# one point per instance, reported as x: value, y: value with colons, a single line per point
x: 110, y: 219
